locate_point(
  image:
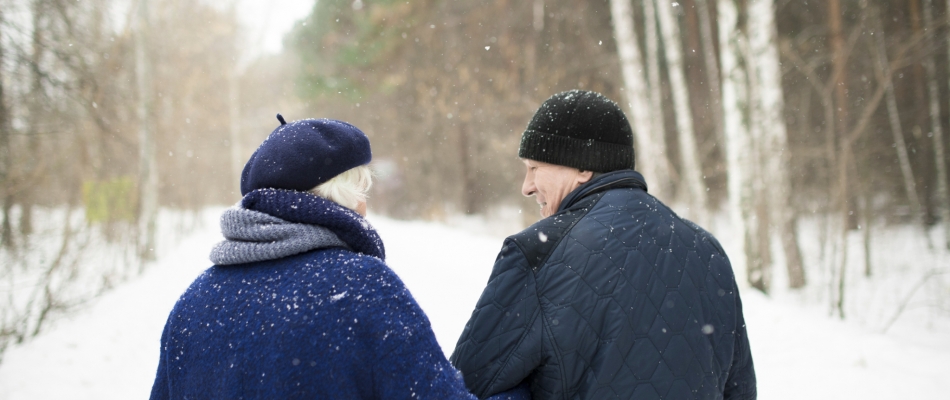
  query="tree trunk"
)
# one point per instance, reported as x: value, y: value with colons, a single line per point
x: 531, y: 44
x: 763, y: 36
x: 691, y: 168
x: 148, y: 173
x: 760, y: 222
x: 839, y: 65
x: 31, y: 161
x: 866, y: 218
x: 649, y: 158
x: 711, y: 67
x: 6, y: 229
x: 843, y: 267
x: 943, y: 201
x: 234, y: 114
x: 656, y: 92
x: 842, y: 106
x: 910, y: 186
x: 470, y: 199
x: 739, y: 157
x: 941, y: 157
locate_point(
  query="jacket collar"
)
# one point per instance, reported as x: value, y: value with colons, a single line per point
x: 626, y: 178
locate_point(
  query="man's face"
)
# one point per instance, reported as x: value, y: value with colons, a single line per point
x: 550, y: 183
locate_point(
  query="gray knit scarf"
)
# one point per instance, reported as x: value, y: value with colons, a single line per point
x: 254, y: 236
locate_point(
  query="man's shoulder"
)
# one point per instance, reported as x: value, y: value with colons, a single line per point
x: 540, y: 239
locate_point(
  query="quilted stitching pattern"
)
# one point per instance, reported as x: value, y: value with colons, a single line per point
x: 634, y: 302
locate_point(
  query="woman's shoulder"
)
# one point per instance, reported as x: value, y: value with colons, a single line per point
x: 366, y: 285
x: 353, y: 269
x: 347, y: 259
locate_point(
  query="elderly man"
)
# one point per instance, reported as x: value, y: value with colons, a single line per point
x: 611, y: 294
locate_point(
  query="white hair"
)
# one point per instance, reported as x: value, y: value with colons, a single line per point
x: 347, y: 189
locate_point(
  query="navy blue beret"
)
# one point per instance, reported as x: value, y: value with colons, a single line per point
x: 305, y: 153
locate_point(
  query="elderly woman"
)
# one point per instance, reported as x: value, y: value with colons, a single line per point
x: 300, y: 303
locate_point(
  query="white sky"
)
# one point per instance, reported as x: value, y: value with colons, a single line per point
x: 267, y: 22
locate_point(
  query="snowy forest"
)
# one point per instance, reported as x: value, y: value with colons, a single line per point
x: 807, y: 135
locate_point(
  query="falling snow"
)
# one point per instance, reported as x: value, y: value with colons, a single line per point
x: 110, y: 350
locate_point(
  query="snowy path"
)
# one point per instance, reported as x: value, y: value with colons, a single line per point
x: 110, y: 350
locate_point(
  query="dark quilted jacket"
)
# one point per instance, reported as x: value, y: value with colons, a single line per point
x: 614, y: 296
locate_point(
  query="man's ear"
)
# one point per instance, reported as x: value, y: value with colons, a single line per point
x: 584, y: 177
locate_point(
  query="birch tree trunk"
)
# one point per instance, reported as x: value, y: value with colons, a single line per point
x: 656, y: 90
x: 763, y: 36
x: 691, y: 170
x: 650, y: 161
x: 937, y: 130
x: 760, y: 275
x: 738, y: 141
x: 148, y: 174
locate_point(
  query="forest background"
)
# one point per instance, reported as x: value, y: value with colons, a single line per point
x: 773, y: 115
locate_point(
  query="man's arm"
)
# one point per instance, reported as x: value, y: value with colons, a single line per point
x: 741, y: 383
x: 501, y: 343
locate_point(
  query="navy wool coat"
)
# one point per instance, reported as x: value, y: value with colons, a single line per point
x: 331, y: 323
x: 614, y: 296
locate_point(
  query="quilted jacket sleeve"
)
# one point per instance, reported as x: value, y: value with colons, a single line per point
x: 501, y: 343
x: 741, y: 383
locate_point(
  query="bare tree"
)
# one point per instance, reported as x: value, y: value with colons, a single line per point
x: 35, y: 106
x: 691, y: 169
x: 6, y: 198
x: 148, y: 168
x: 943, y: 198
x: 649, y: 159
x: 739, y: 149
x: 234, y: 123
x: 68, y: 141
x: 880, y: 53
x: 946, y: 199
x: 843, y: 195
x: 664, y: 181
x: 770, y: 105
x: 711, y: 67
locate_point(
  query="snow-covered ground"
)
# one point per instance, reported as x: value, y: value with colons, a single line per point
x: 109, y: 350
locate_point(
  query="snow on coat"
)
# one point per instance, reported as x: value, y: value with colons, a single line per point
x: 332, y: 322
x: 614, y: 296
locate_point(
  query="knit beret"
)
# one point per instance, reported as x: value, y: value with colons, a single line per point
x: 579, y: 129
x: 304, y: 154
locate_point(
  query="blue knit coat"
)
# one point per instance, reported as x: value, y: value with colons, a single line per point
x: 331, y: 323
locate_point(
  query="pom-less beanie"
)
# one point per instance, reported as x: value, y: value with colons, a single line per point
x: 304, y: 154
x: 579, y: 129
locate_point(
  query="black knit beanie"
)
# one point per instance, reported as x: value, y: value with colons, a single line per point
x: 579, y: 129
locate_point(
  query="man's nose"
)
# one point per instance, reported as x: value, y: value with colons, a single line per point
x: 527, y: 188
